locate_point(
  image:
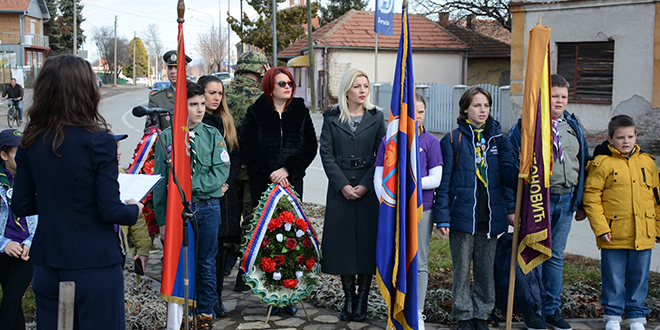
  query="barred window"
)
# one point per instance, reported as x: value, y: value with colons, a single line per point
x: 589, y: 68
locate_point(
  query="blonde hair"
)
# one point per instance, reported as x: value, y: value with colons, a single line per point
x: 346, y: 82
x: 231, y: 136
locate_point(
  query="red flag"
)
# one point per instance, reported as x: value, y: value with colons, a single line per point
x: 172, y: 288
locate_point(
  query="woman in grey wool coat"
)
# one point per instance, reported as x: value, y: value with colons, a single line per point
x: 351, y: 134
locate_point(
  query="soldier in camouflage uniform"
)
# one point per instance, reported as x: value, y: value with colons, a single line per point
x: 164, y: 98
x: 240, y: 94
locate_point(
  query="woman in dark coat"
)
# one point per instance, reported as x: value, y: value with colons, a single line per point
x: 351, y: 134
x: 67, y: 173
x: 218, y: 115
x: 278, y: 141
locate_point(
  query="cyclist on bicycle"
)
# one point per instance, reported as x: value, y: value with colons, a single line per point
x: 14, y: 92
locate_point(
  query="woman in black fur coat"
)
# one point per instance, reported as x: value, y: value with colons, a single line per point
x: 277, y: 140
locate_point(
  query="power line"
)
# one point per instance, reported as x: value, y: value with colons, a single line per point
x: 136, y: 15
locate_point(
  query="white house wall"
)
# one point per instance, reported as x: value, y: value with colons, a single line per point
x: 432, y: 67
x: 630, y: 24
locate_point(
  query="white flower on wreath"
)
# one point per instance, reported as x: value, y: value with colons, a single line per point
x: 299, y: 274
x: 299, y: 233
x: 287, y: 226
x: 277, y: 276
x: 279, y: 237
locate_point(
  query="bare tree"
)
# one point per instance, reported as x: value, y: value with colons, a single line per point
x: 212, y: 46
x: 105, y: 43
x: 153, y: 43
x: 461, y: 9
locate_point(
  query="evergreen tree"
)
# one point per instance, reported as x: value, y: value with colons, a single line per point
x: 337, y: 8
x: 141, y: 61
x: 51, y: 28
x: 64, y: 42
x: 259, y: 32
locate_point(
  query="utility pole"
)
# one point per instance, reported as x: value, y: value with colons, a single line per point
x: 220, y: 33
x: 75, y: 28
x: 311, y: 70
x: 241, y: 27
x: 134, y: 42
x: 114, y: 70
x: 228, y: 40
x: 274, y: 33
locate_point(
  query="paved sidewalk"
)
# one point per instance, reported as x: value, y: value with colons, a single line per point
x: 245, y: 311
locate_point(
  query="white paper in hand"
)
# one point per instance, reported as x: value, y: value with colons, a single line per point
x: 136, y: 186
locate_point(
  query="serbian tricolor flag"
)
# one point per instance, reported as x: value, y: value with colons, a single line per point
x: 172, y: 285
x: 401, y: 203
x: 535, y: 245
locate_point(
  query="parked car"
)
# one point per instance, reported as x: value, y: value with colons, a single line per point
x: 142, y: 81
x: 159, y: 85
x: 225, y: 77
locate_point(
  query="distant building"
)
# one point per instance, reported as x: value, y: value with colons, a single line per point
x: 609, y: 51
x: 22, y: 42
x: 349, y: 42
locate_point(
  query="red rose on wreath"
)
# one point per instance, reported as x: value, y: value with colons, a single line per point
x: 290, y: 283
x: 274, y: 224
x: 265, y: 242
x: 267, y: 265
x: 291, y: 243
x: 287, y: 217
x: 310, y: 263
x: 307, y: 242
x: 301, y: 260
x: 279, y: 260
x: 301, y: 224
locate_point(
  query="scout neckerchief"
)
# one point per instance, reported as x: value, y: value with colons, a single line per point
x: 4, y: 181
x: 557, y: 151
x: 193, y: 152
x: 480, y: 152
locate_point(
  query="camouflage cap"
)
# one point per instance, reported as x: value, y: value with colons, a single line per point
x: 171, y: 58
x: 252, y: 62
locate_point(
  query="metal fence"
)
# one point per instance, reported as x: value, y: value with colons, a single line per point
x: 442, y: 102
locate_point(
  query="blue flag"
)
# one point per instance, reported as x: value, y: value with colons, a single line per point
x: 384, y: 19
x: 401, y: 202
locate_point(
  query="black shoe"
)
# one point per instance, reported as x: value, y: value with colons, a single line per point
x: 465, y: 325
x: 480, y: 324
x: 291, y: 309
x: 231, y: 261
x: 220, y: 310
x: 348, y: 284
x: 361, y: 300
x: 240, y: 283
x: 533, y: 321
x: 275, y: 310
x: 557, y: 322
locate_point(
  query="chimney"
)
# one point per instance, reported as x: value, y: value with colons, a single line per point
x: 443, y: 19
x: 470, y: 22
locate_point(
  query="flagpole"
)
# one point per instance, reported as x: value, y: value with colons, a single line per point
x: 514, y: 255
x: 376, y: 61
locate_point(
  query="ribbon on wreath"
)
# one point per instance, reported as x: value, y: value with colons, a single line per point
x: 143, y: 150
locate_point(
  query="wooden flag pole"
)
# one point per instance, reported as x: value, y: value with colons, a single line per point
x: 514, y: 256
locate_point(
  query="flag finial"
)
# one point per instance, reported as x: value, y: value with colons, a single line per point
x: 539, y: 21
x: 181, y: 8
x: 405, y: 3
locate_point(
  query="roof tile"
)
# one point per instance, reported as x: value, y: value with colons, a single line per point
x: 14, y: 5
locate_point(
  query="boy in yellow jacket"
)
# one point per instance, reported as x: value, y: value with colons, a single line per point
x: 621, y: 201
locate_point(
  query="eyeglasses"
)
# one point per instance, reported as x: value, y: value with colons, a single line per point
x: 284, y: 83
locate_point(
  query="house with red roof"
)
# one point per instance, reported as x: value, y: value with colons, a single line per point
x: 22, y: 42
x: 349, y: 42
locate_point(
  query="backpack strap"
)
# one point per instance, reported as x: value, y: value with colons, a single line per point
x: 455, y: 146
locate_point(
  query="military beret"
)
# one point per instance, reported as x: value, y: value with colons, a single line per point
x: 171, y: 58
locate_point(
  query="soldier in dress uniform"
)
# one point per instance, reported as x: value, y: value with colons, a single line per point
x: 164, y: 98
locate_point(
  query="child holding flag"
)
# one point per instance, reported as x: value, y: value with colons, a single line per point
x: 621, y: 201
x: 210, y: 169
x: 472, y: 204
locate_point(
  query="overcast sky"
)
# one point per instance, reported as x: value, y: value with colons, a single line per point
x: 135, y: 15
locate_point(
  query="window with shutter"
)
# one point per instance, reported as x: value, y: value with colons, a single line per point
x: 589, y: 68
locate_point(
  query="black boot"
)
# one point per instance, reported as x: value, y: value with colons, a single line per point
x: 348, y: 283
x: 361, y: 300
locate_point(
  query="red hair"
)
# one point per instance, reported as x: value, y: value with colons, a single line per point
x: 268, y: 83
